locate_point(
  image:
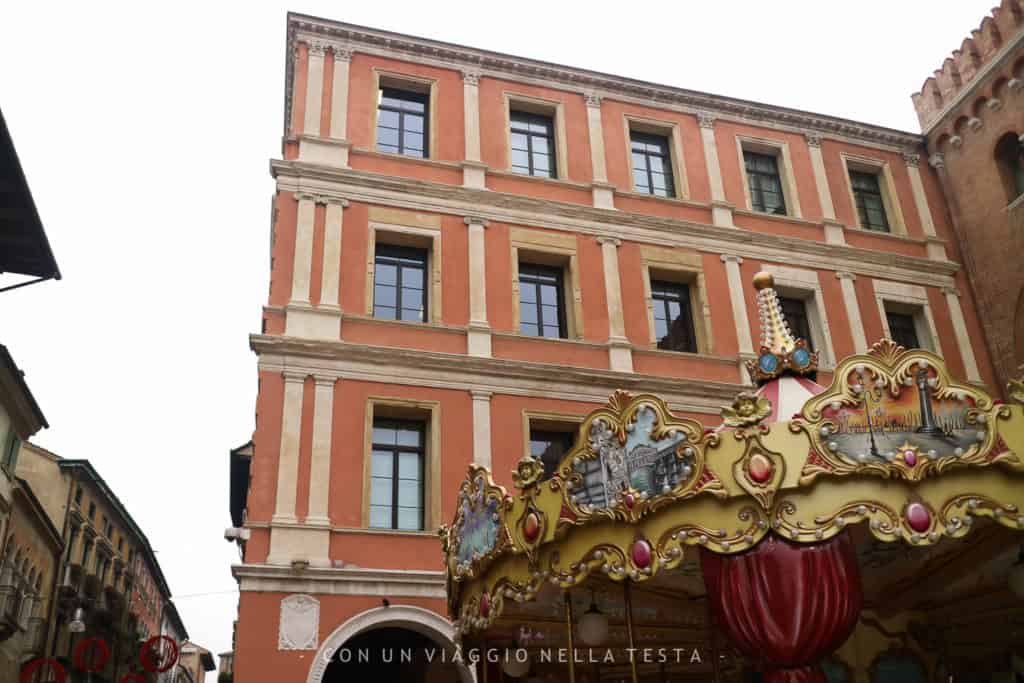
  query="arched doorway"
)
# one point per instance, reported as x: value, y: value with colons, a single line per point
x: 399, y: 643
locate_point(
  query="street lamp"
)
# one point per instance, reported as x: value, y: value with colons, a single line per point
x: 77, y: 623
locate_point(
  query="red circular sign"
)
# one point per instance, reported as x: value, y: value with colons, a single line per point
x: 158, y: 654
x: 49, y: 670
x: 91, y: 655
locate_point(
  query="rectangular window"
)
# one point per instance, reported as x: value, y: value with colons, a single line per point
x: 402, y: 122
x: 10, y: 459
x: 652, y: 164
x: 765, y: 183
x: 400, y: 283
x: 397, y: 475
x: 795, y: 313
x: 541, y: 301
x: 673, y: 316
x: 92, y: 510
x: 78, y: 495
x: 549, y: 446
x: 867, y: 194
x: 86, y: 549
x: 533, y: 144
x: 903, y: 329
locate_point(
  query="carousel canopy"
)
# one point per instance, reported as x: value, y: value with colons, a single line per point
x: 905, y: 467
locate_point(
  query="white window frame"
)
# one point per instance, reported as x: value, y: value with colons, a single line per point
x: 669, y: 130
x: 551, y: 249
x: 544, y: 107
x: 886, y: 183
x: 780, y: 150
x: 417, y: 84
x: 421, y: 236
x: 913, y: 299
x: 801, y: 283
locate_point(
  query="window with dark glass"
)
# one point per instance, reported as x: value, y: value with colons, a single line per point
x: 1010, y: 156
x: 652, y: 164
x: 795, y: 313
x: 86, y: 549
x: 533, y: 144
x: 902, y: 329
x: 400, y: 283
x: 868, y: 196
x: 402, y: 122
x: 78, y: 496
x: 541, y: 301
x: 764, y: 182
x: 549, y: 446
x: 673, y: 316
x: 92, y: 510
x: 396, y: 487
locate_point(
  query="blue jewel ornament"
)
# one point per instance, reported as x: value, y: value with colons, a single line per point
x: 801, y: 358
x: 768, y: 363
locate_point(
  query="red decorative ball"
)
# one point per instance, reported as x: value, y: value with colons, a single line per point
x: 642, y: 554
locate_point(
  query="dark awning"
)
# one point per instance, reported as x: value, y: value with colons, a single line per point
x: 24, y: 248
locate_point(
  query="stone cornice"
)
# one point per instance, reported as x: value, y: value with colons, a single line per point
x: 460, y: 58
x: 340, y: 580
x: 293, y: 176
x: 466, y: 373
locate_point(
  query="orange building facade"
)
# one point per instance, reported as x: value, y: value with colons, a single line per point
x: 472, y: 251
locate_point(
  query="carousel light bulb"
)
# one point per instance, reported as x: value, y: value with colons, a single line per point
x: 593, y: 626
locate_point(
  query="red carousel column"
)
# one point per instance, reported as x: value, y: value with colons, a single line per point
x: 787, y: 606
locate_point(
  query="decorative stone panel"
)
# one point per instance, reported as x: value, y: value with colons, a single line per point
x: 300, y: 623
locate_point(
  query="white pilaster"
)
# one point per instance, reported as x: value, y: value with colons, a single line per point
x: 963, y: 340
x: 739, y: 302
x: 620, y: 354
x: 288, y: 458
x: 597, y: 156
x: 860, y: 340
x: 737, y: 297
x: 479, y: 329
x: 303, y: 264
x: 828, y: 209
x: 339, y: 94
x: 474, y: 171
x: 936, y: 248
x: 320, y: 462
x: 330, y: 281
x: 721, y: 210
x: 314, y: 89
x: 481, y: 427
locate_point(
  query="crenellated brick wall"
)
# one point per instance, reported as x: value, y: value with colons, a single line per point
x: 996, y: 33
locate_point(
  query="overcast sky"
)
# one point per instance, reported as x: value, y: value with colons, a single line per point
x: 145, y: 130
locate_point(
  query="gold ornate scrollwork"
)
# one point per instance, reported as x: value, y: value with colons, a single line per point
x: 896, y: 413
x: 760, y: 471
x: 479, y: 533
x: 1015, y: 390
x: 633, y: 458
x: 527, y: 473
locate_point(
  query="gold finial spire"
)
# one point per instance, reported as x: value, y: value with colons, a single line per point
x: 775, y: 334
x: 779, y: 350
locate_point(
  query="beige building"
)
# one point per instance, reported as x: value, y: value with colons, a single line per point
x: 106, y: 558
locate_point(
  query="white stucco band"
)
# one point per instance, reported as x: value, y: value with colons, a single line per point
x: 422, y: 621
